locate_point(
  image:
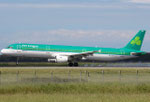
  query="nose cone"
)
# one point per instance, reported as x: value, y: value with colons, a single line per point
x: 3, y: 51
x: 7, y: 52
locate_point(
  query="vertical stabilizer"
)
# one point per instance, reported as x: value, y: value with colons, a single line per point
x: 136, y: 42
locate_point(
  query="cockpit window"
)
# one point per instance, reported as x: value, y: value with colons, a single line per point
x: 10, y: 47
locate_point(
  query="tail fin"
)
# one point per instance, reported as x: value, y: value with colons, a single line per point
x: 136, y: 42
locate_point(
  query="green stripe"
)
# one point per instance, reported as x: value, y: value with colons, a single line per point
x: 75, y: 49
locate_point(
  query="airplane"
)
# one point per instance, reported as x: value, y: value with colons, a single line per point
x: 74, y: 54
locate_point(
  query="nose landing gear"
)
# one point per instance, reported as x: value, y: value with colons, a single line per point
x: 17, y: 61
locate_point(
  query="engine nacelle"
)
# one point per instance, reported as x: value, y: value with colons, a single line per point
x: 59, y: 59
x: 52, y: 60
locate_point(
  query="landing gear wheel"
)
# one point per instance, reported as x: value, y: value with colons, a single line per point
x: 70, y: 64
x: 76, y: 64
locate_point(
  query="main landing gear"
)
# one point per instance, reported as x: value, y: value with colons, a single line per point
x: 73, y: 64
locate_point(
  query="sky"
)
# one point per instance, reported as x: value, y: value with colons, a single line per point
x: 96, y: 23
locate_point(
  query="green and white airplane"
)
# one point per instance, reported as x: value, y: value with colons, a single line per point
x: 74, y: 54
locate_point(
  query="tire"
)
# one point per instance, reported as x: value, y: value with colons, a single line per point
x: 70, y: 64
x: 76, y: 64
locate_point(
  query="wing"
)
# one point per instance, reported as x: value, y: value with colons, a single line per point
x: 82, y: 55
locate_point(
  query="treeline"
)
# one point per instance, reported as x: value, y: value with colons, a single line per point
x: 144, y: 58
x: 21, y: 59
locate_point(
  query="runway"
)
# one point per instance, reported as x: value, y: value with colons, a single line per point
x: 74, y: 67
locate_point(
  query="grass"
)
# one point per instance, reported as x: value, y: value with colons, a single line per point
x: 75, y: 85
x: 77, y: 88
x: 40, y: 97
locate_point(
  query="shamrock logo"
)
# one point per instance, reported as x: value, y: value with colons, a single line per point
x: 136, y: 41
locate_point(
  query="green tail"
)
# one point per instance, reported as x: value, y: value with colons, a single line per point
x: 136, y: 42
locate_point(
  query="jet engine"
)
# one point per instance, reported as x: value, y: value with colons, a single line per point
x: 59, y: 59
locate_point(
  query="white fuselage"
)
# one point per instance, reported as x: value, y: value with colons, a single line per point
x: 52, y: 55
